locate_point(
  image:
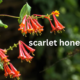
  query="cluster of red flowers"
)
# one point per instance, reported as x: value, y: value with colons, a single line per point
x: 30, y: 25
x: 23, y: 54
x: 3, y: 56
x: 12, y: 72
x: 58, y: 26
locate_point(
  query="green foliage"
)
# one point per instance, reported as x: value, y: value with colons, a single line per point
x: 73, y: 3
x: 1, y: 65
x: 45, y: 6
x: 1, y: 1
x: 3, y: 25
x: 26, y: 9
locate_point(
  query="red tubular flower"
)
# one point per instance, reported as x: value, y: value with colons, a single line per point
x: 28, y: 56
x: 58, y: 25
x: 35, y: 20
x: 29, y: 48
x: 11, y: 71
x: 23, y: 54
x: 23, y: 25
x: 8, y: 71
x: 20, y: 51
x: 17, y: 73
x: 34, y: 25
x: 40, y: 27
x: 30, y: 30
x: 3, y: 56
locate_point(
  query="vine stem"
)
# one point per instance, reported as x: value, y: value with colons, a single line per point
x: 54, y: 63
x: 69, y: 56
x: 19, y: 17
x: 9, y: 16
x: 11, y: 47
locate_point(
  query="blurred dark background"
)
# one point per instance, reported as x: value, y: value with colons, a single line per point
x: 45, y: 56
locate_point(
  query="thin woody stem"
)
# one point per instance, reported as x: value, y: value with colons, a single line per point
x: 71, y: 54
x: 9, y: 16
x: 36, y: 16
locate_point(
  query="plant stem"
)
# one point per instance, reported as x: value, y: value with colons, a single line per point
x: 19, y: 17
x: 9, y: 16
x: 11, y: 47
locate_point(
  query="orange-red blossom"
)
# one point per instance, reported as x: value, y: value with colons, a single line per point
x: 11, y: 71
x: 23, y: 54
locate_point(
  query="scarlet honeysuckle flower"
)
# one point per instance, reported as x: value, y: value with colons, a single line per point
x: 11, y: 71
x: 17, y: 73
x: 7, y: 70
x: 58, y: 25
x: 23, y: 54
x: 3, y: 56
x: 28, y: 56
x: 29, y: 48
x: 23, y: 25
x: 3, y: 50
x: 30, y: 25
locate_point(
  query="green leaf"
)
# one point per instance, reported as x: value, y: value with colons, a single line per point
x: 26, y: 9
x: 1, y: 1
x: 1, y: 65
x: 3, y: 25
